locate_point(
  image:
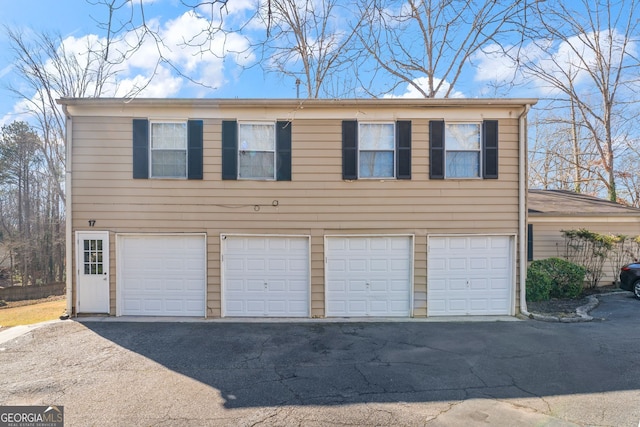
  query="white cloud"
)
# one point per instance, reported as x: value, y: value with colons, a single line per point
x: 18, y: 113
x: 163, y: 85
x: 494, y: 66
x: 184, y: 47
x: 187, y: 47
x: 423, y: 82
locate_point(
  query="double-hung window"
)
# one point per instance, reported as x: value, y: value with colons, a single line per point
x: 462, y: 150
x: 376, y: 150
x: 256, y: 151
x: 379, y: 150
x: 168, y: 150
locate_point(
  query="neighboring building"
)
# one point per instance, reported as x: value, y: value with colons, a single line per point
x: 551, y: 211
x: 296, y: 208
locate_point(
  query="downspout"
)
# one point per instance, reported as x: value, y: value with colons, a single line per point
x: 522, y: 209
x: 68, y: 210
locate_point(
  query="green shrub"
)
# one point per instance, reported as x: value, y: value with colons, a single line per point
x: 554, y: 278
x: 539, y: 283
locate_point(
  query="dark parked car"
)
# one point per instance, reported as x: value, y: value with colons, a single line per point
x: 630, y: 278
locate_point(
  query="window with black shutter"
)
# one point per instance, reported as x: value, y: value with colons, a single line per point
x: 256, y: 150
x: 167, y: 149
x: 376, y: 150
x: 459, y: 150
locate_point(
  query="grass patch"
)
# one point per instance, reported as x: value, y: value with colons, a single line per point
x: 32, y: 313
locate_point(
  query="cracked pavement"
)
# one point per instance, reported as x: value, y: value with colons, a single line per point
x: 343, y: 374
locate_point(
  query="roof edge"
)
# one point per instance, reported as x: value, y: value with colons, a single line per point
x: 253, y: 102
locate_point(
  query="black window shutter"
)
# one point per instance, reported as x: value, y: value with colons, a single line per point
x: 349, y: 149
x: 283, y: 151
x: 436, y: 149
x: 140, y: 148
x: 194, y: 144
x: 403, y: 149
x: 490, y: 149
x: 529, y: 242
x: 229, y: 149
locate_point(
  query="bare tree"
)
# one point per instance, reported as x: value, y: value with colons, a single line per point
x: 628, y: 175
x: 50, y: 70
x: 312, y: 42
x: 427, y: 44
x: 590, y: 72
x: 30, y: 211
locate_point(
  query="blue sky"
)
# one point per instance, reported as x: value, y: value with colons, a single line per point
x: 227, y: 74
x: 75, y: 20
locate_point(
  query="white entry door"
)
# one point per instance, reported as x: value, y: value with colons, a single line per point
x: 92, y: 262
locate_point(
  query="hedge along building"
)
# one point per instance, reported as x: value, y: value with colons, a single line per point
x: 296, y: 208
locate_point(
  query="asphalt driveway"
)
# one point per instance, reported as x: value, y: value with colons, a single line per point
x: 406, y: 373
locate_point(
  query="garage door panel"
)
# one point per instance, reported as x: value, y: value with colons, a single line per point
x: 256, y: 307
x: 133, y: 304
x: 478, y: 264
x: 357, y: 265
x: 457, y: 284
x: 478, y: 285
x: 162, y: 275
x: 479, y: 305
x: 300, y: 286
x: 356, y: 286
x: 379, y: 286
x: 479, y: 243
x: 381, y: 307
x: 499, y: 263
x: 266, y: 276
x: 499, y: 285
x: 379, y: 265
x: 457, y: 305
x: 377, y: 272
x: 457, y: 243
x: 357, y: 307
x: 478, y: 279
x: 298, y: 265
x: 257, y: 245
x: 175, y: 285
x: 357, y: 244
x: 398, y: 286
x: 152, y: 306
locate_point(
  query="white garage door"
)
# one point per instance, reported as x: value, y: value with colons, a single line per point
x: 265, y: 276
x: 469, y: 275
x: 161, y: 275
x: 368, y: 276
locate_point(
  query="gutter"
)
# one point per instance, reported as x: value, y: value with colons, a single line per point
x: 522, y: 210
x: 68, y: 210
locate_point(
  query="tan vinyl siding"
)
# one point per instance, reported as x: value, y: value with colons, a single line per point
x: 316, y: 202
x: 548, y: 240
